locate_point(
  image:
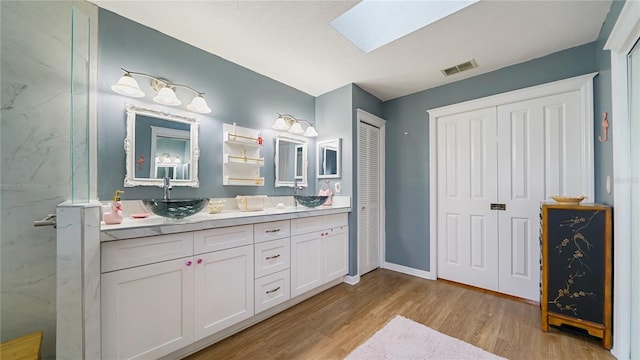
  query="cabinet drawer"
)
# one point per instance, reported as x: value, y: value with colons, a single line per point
x: 316, y: 223
x: 222, y: 238
x: 271, y: 230
x: 272, y: 290
x: 271, y: 256
x: 122, y: 254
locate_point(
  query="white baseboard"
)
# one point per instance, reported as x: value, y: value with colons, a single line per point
x: 409, y: 271
x: 352, y: 280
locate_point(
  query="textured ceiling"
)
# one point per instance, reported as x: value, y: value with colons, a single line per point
x: 293, y: 42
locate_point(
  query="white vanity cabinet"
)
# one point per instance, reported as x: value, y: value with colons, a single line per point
x: 155, y: 300
x: 319, y: 251
x: 162, y: 295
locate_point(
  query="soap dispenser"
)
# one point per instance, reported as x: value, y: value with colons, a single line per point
x: 115, y: 215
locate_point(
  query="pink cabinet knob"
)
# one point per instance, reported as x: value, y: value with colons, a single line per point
x: 199, y: 261
x: 189, y: 263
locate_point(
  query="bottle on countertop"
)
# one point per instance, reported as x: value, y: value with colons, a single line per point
x: 115, y: 215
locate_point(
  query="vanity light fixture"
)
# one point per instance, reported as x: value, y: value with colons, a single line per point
x: 289, y: 123
x: 128, y: 86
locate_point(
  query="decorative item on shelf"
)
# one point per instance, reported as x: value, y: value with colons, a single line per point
x: 568, y: 200
x: 285, y: 122
x: 128, y: 86
x: 605, y: 127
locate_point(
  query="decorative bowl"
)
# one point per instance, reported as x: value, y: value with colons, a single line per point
x: 175, y: 208
x: 568, y: 200
x: 215, y: 206
x: 310, y: 201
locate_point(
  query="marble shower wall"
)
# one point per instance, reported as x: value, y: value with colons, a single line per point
x: 35, y: 161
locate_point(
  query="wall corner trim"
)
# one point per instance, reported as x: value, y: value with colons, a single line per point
x: 351, y: 280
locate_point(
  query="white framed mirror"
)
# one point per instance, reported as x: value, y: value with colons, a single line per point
x: 329, y: 159
x: 290, y: 161
x: 159, y: 144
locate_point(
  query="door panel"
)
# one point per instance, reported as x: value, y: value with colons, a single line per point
x: 521, y: 189
x: 369, y: 194
x: 562, y: 145
x: 468, y: 251
x: 537, y: 147
x: 478, y: 242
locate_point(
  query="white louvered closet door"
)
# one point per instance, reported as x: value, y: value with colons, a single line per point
x: 368, y: 198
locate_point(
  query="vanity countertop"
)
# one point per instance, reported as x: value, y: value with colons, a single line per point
x: 156, y: 225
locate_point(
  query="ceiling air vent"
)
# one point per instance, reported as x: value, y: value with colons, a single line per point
x: 460, y: 67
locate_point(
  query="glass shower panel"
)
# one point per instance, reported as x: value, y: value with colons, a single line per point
x: 80, y: 154
x: 634, y: 122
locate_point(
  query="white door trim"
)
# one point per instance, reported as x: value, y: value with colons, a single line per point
x: 623, y: 36
x: 363, y: 116
x: 583, y: 83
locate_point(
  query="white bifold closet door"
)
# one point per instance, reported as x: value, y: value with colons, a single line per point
x: 495, y: 166
x: 368, y: 197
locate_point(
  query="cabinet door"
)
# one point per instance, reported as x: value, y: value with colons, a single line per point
x: 147, y: 311
x: 306, y: 263
x: 335, y: 253
x: 223, y: 289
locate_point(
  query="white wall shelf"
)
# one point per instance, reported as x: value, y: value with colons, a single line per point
x: 241, y: 156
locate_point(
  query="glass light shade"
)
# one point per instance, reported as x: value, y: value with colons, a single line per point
x: 199, y: 105
x: 296, y: 128
x: 310, y: 132
x: 280, y: 124
x: 127, y: 86
x: 166, y: 96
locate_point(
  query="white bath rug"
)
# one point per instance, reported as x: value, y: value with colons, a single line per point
x: 402, y: 338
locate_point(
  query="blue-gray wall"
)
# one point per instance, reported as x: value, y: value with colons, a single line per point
x: 336, y: 114
x: 252, y: 100
x: 603, y: 151
x: 234, y: 93
x: 407, y: 156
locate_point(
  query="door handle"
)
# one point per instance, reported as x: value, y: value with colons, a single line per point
x: 501, y: 207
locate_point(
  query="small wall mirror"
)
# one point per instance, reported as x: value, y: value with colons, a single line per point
x: 160, y: 144
x: 329, y: 159
x: 290, y: 161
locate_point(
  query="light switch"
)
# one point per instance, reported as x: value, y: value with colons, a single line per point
x: 608, y: 184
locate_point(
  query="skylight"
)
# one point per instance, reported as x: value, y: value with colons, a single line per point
x: 374, y: 23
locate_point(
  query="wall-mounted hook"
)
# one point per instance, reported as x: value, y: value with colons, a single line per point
x: 605, y: 127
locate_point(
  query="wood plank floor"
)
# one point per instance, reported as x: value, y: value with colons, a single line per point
x: 333, y: 323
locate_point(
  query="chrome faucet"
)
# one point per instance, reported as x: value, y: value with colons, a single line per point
x: 166, y: 188
x: 295, y: 192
